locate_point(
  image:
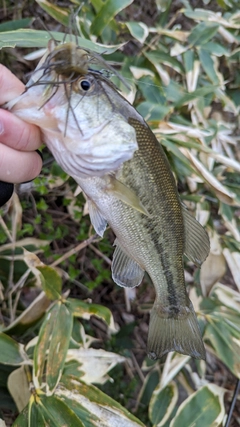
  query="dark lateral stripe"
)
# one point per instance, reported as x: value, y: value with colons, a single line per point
x: 164, y: 258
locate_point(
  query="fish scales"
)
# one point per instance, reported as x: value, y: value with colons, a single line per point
x: 107, y: 147
x: 148, y: 174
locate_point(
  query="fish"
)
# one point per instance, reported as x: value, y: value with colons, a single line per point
x: 100, y: 139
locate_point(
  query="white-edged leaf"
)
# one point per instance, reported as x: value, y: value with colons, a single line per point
x: 233, y: 260
x: 138, y: 30
x: 94, y: 363
x: 39, y: 38
x: 221, y: 191
x: 162, y: 404
x: 28, y: 241
x: 227, y: 296
x: 52, y: 346
x: 19, y: 387
x: 205, y: 408
x: 85, y: 311
x: 223, y: 335
x: 29, y: 316
x: 173, y: 364
x: 104, y: 411
x: 12, y: 353
x: 214, y: 267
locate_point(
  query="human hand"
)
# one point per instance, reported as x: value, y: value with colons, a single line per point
x: 19, y: 162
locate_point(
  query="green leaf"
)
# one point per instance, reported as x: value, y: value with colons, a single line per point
x: 226, y: 211
x: 97, y: 4
x: 205, y: 408
x: 225, y: 340
x: 51, y: 283
x: 162, y: 404
x: 216, y: 49
x: 56, y: 413
x: 188, y: 60
x: 86, y: 310
x: 59, y: 346
x: 197, y: 14
x: 138, y: 30
x: 59, y: 13
x: 88, y: 418
x: 150, y: 383
x: 36, y: 417
x: 153, y: 112
x: 15, y: 25
x: 151, y: 92
x: 158, y: 57
x: 175, y: 150
x: 37, y: 38
x: 208, y: 65
x: 11, y: 352
x: 22, y: 420
x: 108, y: 11
x: 52, y: 346
x: 202, y: 33
x: 96, y: 403
x: 198, y: 93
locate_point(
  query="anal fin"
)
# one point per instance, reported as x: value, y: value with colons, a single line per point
x: 98, y: 221
x: 125, y: 271
x: 179, y: 333
x: 197, y: 243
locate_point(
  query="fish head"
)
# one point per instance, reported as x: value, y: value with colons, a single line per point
x: 79, y: 111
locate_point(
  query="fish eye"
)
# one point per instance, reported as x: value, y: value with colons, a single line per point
x: 85, y: 85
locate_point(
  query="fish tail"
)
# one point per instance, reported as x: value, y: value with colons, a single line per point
x: 174, y: 329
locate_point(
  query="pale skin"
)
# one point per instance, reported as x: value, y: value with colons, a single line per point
x: 19, y: 162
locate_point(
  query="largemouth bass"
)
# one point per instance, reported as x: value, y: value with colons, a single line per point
x: 99, y: 139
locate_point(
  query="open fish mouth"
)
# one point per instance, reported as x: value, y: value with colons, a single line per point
x: 78, y: 109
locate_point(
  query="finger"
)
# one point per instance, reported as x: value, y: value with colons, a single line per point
x: 10, y: 86
x: 18, y: 166
x: 18, y: 134
x: 6, y: 191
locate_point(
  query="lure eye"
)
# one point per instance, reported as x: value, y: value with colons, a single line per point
x: 85, y: 85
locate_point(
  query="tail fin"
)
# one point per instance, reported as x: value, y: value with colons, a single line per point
x: 180, y: 333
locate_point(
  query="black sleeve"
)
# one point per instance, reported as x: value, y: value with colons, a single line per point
x: 6, y: 190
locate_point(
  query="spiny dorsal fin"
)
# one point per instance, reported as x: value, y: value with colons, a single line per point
x: 126, y: 195
x: 197, y: 243
x: 125, y: 271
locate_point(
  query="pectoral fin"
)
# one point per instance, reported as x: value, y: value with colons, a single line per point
x: 125, y: 271
x: 197, y: 243
x: 98, y: 221
x: 126, y: 195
